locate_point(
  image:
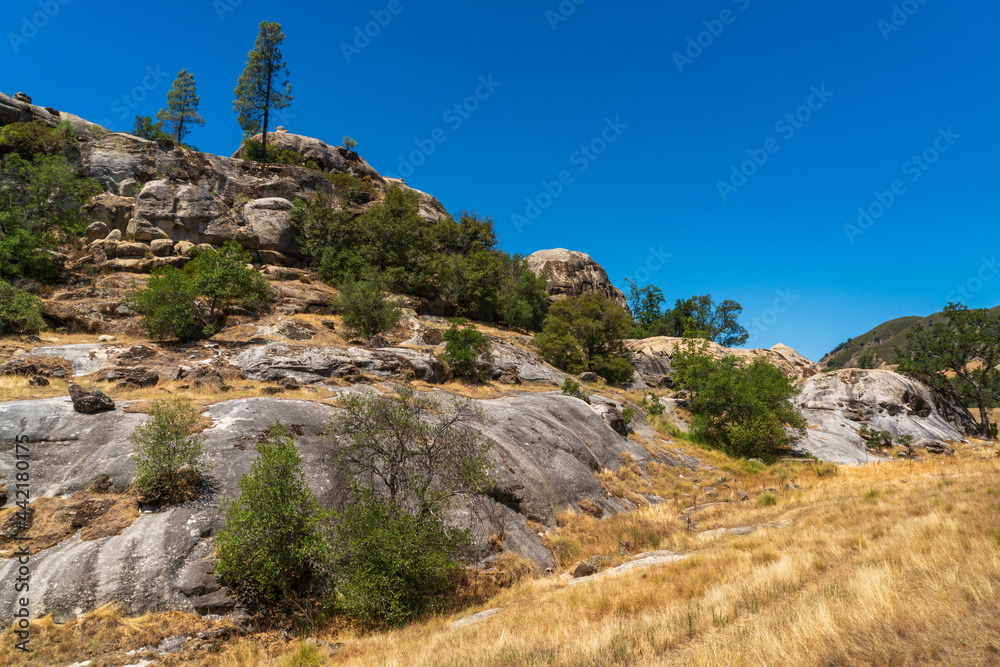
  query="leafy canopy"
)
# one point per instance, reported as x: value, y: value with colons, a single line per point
x: 739, y: 407
x: 264, y: 84
x: 165, y: 448
x: 274, y: 541
x: 181, y: 112
x: 964, y: 342
x: 465, y: 349
x: 366, y: 311
x: 20, y: 312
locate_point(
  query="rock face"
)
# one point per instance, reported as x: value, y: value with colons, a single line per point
x: 651, y: 357
x: 19, y: 109
x: 547, y: 447
x: 306, y: 363
x: 572, y: 273
x: 329, y: 158
x: 837, y: 404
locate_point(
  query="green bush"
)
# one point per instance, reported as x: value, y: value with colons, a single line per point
x: 221, y: 278
x: 36, y: 138
x: 351, y: 189
x: 20, y: 312
x: 408, y: 457
x: 523, y: 301
x: 571, y: 387
x: 585, y: 333
x: 165, y: 451
x: 742, y: 408
x: 168, y: 305
x: 652, y: 403
x: 466, y: 351
x: 767, y: 500
x: 365, y: 310
x: 273, y: 543
x: 254, y: 150
x: 145, y: 128
x: 867, y: 359
x: 393, y: 566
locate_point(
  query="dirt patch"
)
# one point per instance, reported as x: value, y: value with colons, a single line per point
x: 92, y: 513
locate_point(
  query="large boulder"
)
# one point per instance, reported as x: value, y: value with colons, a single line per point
x: 573, y: 273
x: 307, y: 363
x: 839, y: 403
x: 89, y: 402
x: 651, y: 357
x: 19, y: 109
x: 270, y: 226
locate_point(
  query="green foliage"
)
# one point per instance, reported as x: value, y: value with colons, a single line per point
x: 169, y: 302
x: 585, y: 333
x: 36, y: 138
x: 628, y: 414
x: 23, y: 255
x: 867, y: 359
x: 393, y: 566
x: 571, y: 387
x: 20, y: 312
x: 467, y: 352
x: 273, y: 542
x: 365, y: 310
x: 351, y: 189
x: 181, y: 112
x: 700, y: 317
x: 225, y: 279
x: 145, y: 128
x: 263, y: 85
x: 767, y: 500
x: 168, y: 305
x: 965, y: 343
x: 407, y: 457
x: 164, y: 448
x: 350, y: 144
x: 742, y: 408
x: 646, y: 303
x: 876, y: 438
x: 651, y: 402
x: 254, y: 150
x: 410, y: 450
x: 523, y: 301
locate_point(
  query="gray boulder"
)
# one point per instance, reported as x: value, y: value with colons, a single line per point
x: 838, y: 404
x: 270, y: 226
x: 306, y: 363
x: 96, y: 230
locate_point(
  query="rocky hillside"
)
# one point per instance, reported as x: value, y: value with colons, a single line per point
x: 552, y: 453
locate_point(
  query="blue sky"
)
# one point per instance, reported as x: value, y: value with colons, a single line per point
x: 715, y: 146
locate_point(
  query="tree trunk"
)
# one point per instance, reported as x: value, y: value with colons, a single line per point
x: 267, y: 109
x: 984, y: 420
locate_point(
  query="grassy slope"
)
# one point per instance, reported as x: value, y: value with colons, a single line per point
x: 882, y: 339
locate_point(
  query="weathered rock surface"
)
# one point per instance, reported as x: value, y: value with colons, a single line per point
x: 547, y: 448
x: 429, y: 207
x: 329, y: 158
x: 270, y: 226
x: 651, y: 357
x: 837, y: 404
x: 85, y: 358
x: 572, y: 273
x: 19, y: 109
x: 306, y: 363
x: 513, y: 364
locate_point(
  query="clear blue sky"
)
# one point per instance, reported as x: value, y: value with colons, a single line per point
x: 776, y: 242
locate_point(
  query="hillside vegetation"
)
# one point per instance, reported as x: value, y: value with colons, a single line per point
x: 882, y: 340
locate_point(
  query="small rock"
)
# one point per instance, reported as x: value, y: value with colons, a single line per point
x: 742, y: 495
x: 583, y: 569
x: 330, y: 324
x: 588, y: 376
x: 38, y: 381
x: 271, y: 391
x: 95, y: 401
x: 21, y: 97
x: 105, y: 339
x: 162, y: 247
x: 97, y: 231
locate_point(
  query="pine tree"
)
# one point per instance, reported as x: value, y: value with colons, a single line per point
x: 264, y: 83
x: 182, y: 107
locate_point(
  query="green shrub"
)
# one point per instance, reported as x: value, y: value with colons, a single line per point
x: 145, y: 128
x: 254, y: 150
x: 571, y: 387
x: 393, y: 566
x: 349, y: 144
x: 36, y: 138
x: 466, y: 351
x: 523, y: 301
x: 340, y: 265
x: 169, y: 302
x: 767, y: 500
x: 165, y: 451
x: 350, y: 188
x: 867, y: 359
x: 273, y: 543
x: 628, y: 414
x: 366, y: 311
x: 742, y: 408
x: 585, y: 333
x: 20, y: 312
x: 168, y: 305
x: 651, y: 402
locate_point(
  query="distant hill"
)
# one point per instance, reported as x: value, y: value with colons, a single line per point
x: 883, y: 340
